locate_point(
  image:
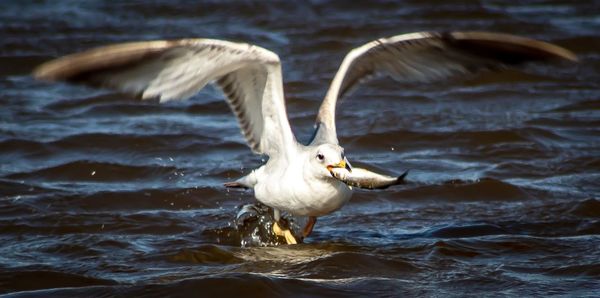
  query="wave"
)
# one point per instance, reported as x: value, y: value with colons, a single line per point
x: 484, y: 189
x: 35, y: 279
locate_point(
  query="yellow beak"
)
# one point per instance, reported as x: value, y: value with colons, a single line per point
x: 341, y: 164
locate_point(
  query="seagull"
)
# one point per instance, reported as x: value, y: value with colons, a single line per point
x: 313, y: 179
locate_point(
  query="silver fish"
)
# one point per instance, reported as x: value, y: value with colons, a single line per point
x: 366, y: 179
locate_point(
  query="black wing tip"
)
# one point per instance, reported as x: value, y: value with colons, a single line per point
x: 508, y: 48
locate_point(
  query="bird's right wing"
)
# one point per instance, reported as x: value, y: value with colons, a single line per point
x: 250, y: 77
x: 429, y: 57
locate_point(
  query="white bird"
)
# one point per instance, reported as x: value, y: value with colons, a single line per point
x: 304, y: 180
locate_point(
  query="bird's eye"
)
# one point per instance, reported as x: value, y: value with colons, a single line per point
x: 320, y: 156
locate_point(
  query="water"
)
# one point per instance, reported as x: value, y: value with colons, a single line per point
x: 104, y: 196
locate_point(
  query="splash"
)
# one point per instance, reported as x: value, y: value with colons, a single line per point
x: 254, y: 223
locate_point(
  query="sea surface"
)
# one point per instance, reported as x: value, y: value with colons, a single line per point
x: 101, y: 195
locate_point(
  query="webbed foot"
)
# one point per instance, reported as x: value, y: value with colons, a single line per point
x: 287, y: 234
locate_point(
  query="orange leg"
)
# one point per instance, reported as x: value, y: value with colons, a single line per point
x: 309, y: 226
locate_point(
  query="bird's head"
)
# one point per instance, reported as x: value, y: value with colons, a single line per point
x: 324, y: 158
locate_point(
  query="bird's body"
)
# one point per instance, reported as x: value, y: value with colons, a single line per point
x: 306, y: 180
x: 293, y: 188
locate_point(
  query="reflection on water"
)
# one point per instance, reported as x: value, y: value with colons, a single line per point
x: 104, y: 196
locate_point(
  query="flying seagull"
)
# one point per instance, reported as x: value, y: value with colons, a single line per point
x: 304, y: 180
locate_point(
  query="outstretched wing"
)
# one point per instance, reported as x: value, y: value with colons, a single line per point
x: 429, y: 57
x: 250, y: 77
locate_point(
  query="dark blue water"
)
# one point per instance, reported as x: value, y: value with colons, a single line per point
x: 101, y: 195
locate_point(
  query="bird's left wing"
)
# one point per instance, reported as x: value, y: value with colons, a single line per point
x: 426, y: 57
x: 250, y: 77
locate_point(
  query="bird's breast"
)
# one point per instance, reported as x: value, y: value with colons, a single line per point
x: 303, y: 197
